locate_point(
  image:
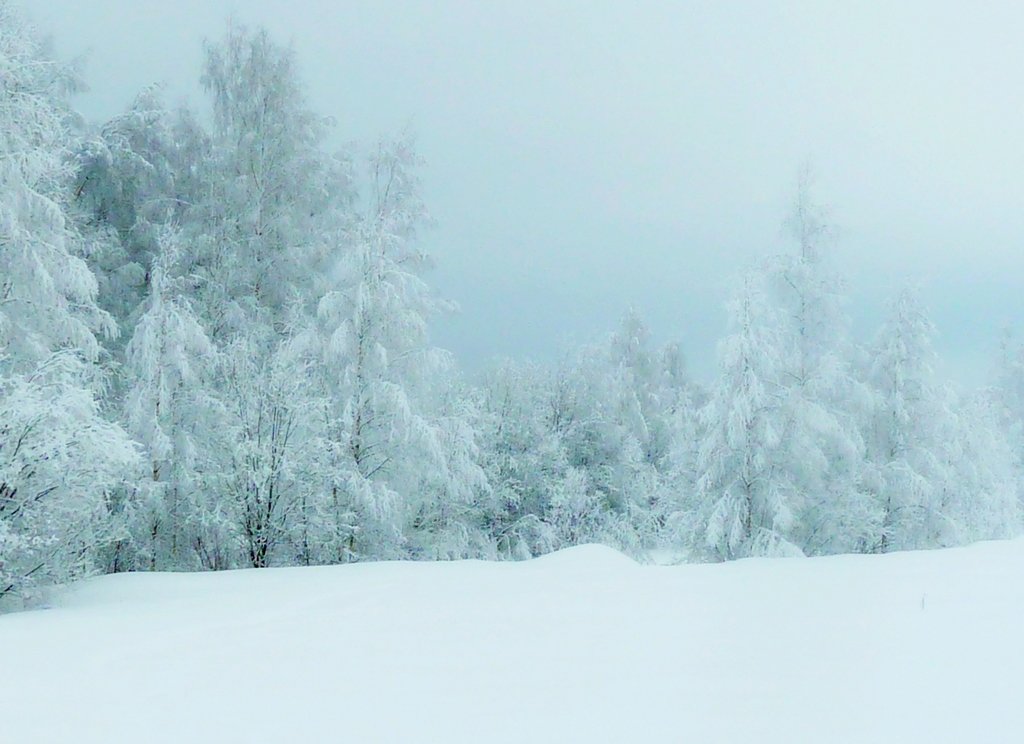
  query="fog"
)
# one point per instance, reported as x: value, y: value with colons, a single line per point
x: 583, y: 157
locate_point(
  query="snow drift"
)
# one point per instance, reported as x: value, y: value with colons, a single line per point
x: 582, y: 645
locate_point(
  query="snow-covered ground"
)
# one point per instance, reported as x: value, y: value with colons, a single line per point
x: 580, y: 646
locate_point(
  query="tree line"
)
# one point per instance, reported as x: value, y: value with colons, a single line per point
x: 215, y: 353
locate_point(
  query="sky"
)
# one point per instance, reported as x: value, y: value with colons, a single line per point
x: 585, y: 157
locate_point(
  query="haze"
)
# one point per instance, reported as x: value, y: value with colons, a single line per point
x: 583, y: 157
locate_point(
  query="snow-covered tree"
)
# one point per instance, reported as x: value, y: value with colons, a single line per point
x: 981, y: 499
x: 646, y: 395
x: 270, y: 185
x: 256, y: 251
x: 378, y: 370
x: 820, y: 398
x: 910, y: 425
x: 59, y: 463
x: 1007, y: 395
x: 453, y: 497
x: 59, y: 458
x: 47, y: 292
x: 267, y: 407
x: 132, y: 180
x: 943, y: 473
x: 522, y: 457
x: 746, y: 501
x: 169, y: 409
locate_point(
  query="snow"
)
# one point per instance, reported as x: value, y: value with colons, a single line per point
x: 582, y: 645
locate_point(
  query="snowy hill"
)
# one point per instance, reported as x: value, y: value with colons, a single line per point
x: 583, y: 645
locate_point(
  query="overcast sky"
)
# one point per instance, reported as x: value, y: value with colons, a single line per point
x: 586, y: 156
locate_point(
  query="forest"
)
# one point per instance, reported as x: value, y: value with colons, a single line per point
x: 215, y: 353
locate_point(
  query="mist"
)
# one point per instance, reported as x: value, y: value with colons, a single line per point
x: 583, y: 158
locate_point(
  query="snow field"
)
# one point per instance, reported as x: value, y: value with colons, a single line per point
x: 582, y: 645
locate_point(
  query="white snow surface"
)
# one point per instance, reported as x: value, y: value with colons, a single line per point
x: 580, y: 646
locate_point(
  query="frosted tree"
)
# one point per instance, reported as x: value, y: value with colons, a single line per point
x: 678, y: 504
x: 943, y: 471
x: 634, y: 364
x: 271, y: 184
x: 808, y: 290
x: 646, y: 395
x: 454, y: 498
x: 746, y: 500
x: 257, y: 251
x: 680, y: 397
x: 267, y: 405
x: 134, y: 176
x: 59, y: 462
x: 169, y: 409
x: 911, y: 423
x: 592, y: 412
x: 592, y: 439
x: 614, y: 429
x: 379, y: 370
x: 1007, y: 395
x: 59, y: 459
x: 522, y: 456
x: 125, y: 191
x: 580, y: 453
x: 577, y: 512
x: 47, y: 292
x: 821, y: 401
x: 980, y: 501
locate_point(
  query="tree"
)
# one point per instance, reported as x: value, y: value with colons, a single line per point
x: 59, y: 458
x: 270, y: 186
x: 170, y: 410
x: 59, y: 462
x: 378, y: 369
x: 449, y: 517
x: 1007, y: 395
x: 910, y: 423
x: 47, y: 292
x: 981, y: 501
x: 132, y: 180
x: 819, y: 396
x: 522, y: 457
x: 266, y: 406
x: 746, y: 500
x: 257, y: 253
x: 646, y: 395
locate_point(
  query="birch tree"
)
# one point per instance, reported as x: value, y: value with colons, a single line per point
x: 170, y: 410
x: 59, y: 458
